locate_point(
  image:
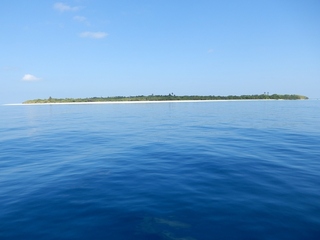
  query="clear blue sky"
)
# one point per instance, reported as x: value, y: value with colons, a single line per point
x: 87, y: 48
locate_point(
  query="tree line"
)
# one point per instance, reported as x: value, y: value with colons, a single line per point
x: 169, y: 97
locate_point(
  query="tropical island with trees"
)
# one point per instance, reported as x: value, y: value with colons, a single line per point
x: 169, y: 97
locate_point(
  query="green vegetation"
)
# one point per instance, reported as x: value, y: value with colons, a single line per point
x: 169, y: 97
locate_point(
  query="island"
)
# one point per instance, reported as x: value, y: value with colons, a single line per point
x: 169, y: 97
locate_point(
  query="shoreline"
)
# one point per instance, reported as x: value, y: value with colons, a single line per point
x: 133, y: 102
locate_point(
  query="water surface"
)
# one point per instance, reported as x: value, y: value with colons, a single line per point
x: 202, y: 170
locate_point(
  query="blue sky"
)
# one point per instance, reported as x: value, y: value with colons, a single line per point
x: 87, y: 48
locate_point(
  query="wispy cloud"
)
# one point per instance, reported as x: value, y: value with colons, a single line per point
x: 95, y: 35
x: 30, y: 78
x: 81, y: 19
x: 61, y: 7
x: 10, y: 68
x: 210, y: 50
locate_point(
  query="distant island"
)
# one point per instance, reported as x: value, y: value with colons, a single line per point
x: 169, y: 97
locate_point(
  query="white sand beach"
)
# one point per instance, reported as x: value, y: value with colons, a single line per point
x: 135, y: 102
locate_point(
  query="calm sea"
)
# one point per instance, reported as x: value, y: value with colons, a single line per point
x: 161, y: 171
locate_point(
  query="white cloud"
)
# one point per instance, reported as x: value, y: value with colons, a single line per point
x: 29, y: 77
x: 64, y: 7
x: 81, y: 19
x: 96, y: 35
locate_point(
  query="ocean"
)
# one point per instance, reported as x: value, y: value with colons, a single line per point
x: 161, y: 171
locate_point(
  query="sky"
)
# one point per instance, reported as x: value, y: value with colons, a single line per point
x: 94, y: 48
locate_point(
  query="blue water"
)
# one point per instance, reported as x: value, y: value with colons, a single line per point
x: 162, y: 171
